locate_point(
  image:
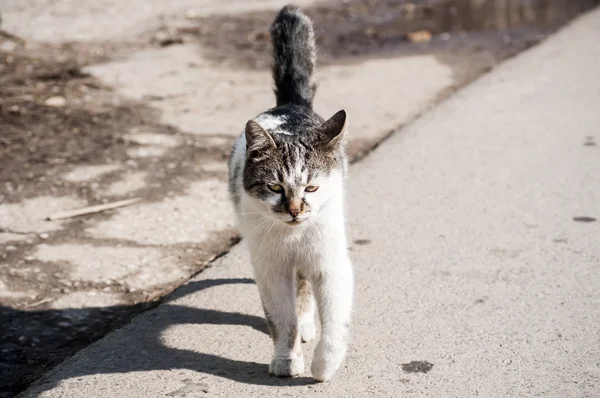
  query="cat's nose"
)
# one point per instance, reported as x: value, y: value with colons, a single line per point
x: 294, y: 212
x: 294, y: 209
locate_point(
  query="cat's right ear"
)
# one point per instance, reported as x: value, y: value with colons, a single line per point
x: 331, y: 133
x: 257, y: 138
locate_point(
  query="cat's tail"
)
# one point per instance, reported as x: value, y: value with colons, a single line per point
x: 294, y: 56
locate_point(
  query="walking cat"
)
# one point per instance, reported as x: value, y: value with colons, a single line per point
x: 286, y: 180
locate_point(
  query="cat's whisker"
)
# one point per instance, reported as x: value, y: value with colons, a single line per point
x: 313, y: 225
x: 263, y: 222
x: 260, y: 212
x: 265, y: 237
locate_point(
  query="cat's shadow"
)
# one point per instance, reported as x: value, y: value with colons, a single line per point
x: 139, y: 347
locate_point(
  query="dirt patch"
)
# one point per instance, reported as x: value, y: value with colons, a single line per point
x: 467, y: 34
x: 41, y: 141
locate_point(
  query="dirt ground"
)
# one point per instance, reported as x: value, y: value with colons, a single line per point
x: 54, y: 116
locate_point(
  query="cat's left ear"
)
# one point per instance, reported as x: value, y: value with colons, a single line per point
x: 333, y: 130
x: 257, y: 138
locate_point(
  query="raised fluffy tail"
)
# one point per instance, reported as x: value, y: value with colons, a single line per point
x: 294, y: 55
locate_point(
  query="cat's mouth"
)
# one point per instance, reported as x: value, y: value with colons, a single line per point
x: 294, y: 222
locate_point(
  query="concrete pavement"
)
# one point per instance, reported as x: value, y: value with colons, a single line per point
x: 141, y: 116
x: 475, y: 250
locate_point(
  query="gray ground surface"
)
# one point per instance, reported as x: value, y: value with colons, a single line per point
x: 477, y: 261
x: 106, y: 100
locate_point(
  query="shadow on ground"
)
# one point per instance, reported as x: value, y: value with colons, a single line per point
x: 155, y: 356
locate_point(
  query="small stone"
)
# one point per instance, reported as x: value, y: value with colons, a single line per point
x: 11, y: 248
x: 420, y: 36
x: 56, y: 101
x: 44, y: 236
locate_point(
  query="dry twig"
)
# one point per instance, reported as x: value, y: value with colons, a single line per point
x: 92, y: 209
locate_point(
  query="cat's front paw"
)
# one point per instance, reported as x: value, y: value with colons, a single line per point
x: 286, y: 367
x: 326, y: 361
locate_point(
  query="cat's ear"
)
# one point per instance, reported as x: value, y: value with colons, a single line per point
x: 257, y: 138
x: 332, y: 132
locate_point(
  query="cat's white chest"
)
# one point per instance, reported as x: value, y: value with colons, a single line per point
x: 300, y: 246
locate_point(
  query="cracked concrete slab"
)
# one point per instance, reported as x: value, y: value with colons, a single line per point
x: 193, y: 217
x: 183, y: 79
x: 183, y: 89
x: 376, y: 106
x: 139, y: 268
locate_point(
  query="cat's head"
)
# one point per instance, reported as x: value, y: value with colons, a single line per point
x: 290, y: 178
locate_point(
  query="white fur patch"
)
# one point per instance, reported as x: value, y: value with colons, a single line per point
x: 271, y: 123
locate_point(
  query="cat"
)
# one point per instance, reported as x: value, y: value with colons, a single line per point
x: 286, y: 180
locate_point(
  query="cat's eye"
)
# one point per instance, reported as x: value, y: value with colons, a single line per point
x: 276, y: 188
x: 311, y: 188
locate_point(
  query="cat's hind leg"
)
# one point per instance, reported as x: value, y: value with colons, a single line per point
x: 305, y: 306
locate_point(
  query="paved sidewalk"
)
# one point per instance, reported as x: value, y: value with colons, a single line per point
x: 106, y: 100
x: 477, y: 261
